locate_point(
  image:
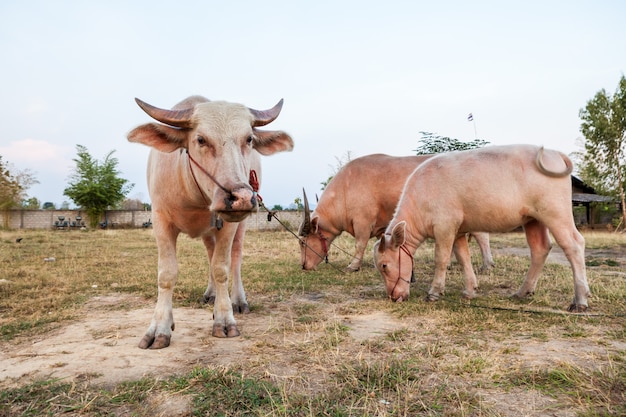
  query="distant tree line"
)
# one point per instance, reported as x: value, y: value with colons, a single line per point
x: 602, y: 163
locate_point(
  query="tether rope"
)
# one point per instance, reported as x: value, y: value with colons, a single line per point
x: 522, y: 309
x: 271, y: 214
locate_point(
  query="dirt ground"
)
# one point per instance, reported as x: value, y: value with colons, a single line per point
x: 102, y: 346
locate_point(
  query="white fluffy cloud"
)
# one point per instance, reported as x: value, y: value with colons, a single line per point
x: 46, y: 159
x: 33, y: 151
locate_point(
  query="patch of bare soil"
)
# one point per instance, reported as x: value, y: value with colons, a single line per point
x: 557, y: 256
x: 102, y: 345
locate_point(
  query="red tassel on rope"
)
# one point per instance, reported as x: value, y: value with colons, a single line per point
x: 254, y: 183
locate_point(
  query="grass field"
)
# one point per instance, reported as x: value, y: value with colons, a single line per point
x: 320, y: 343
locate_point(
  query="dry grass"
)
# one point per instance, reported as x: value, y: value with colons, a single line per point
x: 331, y: 343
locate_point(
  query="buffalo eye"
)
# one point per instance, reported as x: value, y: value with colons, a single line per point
x: 201, y: 140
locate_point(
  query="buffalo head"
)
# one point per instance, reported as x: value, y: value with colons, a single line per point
x: 394, y: 262
x: 220, y: 141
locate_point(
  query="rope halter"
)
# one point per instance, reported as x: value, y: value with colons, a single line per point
x: 323, y: 241
x: 406, y: 251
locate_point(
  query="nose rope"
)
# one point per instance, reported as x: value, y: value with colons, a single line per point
x: 253, y: 181
x: 405, y: 250
x: 193, y: 175
x: 205, y: 172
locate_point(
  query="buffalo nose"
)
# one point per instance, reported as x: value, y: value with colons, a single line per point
x: 241, y: 199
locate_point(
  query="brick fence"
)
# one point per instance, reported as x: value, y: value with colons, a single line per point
x: 52, y: 219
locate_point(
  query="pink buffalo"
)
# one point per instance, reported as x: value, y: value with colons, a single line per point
x: 492, y: 189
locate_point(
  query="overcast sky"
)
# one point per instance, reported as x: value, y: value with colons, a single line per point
x: 357, y: 76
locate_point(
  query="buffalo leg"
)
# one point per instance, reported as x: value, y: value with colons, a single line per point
x: 461, y: 251
x: 224, y: 324
x: 238, y: 295
x: 443, y: 252
x: 209, y: 293
x: 361, y: 240
x: 540, y: 246
x: 482, y: 239
x: 159, y: 332
x: 573, y: 245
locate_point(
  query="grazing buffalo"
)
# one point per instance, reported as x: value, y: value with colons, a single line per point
x: 492, y: 189
x: 203, y: 174
x: 361, y: 199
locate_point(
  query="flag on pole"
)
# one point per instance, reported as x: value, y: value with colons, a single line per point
x: 470, y: 117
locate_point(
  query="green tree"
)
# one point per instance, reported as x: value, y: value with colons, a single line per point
x: 96, y: 186
x: 31, y: 203
x: 13, y: 186
x: 10, y: 188
x: 603, y: 162
x: 298, y: 203
x: 431, y: 143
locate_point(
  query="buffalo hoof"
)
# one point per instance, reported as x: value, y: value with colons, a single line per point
x: 521, y: 296
x: 577, y: 308
x: 150, y: 342
x: 432, y: 297
x: 241, y: 308
x: 485, y: 268
x: 207, y: 299
x: 228, y: 331
x: 469, y: 295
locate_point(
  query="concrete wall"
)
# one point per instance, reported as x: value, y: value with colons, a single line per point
x: 47, y: 219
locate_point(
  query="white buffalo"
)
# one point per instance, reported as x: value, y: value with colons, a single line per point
x: 203, y: 177
x: 492, y: 189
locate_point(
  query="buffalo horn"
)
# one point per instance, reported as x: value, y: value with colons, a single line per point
x: 381, y: 245
x: 305, y: 228
x: 263, y: 117
x: 177, y: 118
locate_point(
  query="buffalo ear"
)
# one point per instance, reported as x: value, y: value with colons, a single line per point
x: 398, y: 235
x: 315, y: 224
x: 160, y: 137
x: 268, y: 142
